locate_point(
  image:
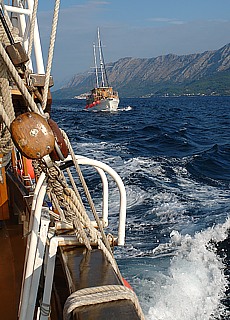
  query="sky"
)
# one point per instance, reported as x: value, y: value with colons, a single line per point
x: 131, y: 28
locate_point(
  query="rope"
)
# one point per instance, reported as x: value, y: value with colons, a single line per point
x: 5, y: 118
x: 95, y: 235
x: 32, y: 26
x: 75, y: 213
x: 86, y: 190
x: 6, y: 111
x: 3, y: 35
x: 102, y: 294
x: 73, y: 210
x: 74, y: 185
x: 19, y: 82
x: 82, y: 234
x: 45, y: 310
x: 67, y: 201
x: 57, y: 206
x: 57, y: 185
x: 5, y: 92
x: 105, y: 246
x: 50, y: 55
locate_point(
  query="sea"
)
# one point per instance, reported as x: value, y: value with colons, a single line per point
x: 173, y: 155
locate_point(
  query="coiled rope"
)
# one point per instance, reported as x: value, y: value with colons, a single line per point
x: 101, y: 294
x: 72, y: 204
x: 104, y: 244
x: 75, y: 213
x: 6, y: 111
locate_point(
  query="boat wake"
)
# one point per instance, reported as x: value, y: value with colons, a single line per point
x: 195, y: 284
x: 177, y: 211
x: 128, y: 108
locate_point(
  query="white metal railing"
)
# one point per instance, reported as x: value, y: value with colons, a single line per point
x: 38, y: 239
x: 102, y: 167
x: 31, y: 251
x: 24, y: 20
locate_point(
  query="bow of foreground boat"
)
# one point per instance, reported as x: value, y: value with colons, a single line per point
x: 11, y: 266
x: 57, y: 258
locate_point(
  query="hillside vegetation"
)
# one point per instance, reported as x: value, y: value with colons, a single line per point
x: 206, y: 73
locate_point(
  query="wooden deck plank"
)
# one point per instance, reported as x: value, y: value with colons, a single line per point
x: 11, y: 266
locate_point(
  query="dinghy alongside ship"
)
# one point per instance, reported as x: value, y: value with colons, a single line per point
x: 56, y: 257
x: 102, y: 97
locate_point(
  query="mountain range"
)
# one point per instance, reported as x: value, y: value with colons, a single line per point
x: 206, y: 73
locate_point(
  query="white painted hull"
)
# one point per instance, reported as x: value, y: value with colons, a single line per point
x: 108, y: 104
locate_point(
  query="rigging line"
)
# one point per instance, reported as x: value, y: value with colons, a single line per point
x: 9, y: 23
x: 95, y: 63
x: 105, y: 72
x: 19, y: 82
x: 51, y: 50
x: 104, y: 243
x: 105, y: 81
x: 4, y: 116
x: 100, y: 58
x: 6, y: 111
x: 32, y: 27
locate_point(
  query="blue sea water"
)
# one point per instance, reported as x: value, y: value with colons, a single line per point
x: 173, y: 155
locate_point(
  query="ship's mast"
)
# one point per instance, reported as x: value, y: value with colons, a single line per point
x: 95, y: 63
x: 101, y: 75
x: 101, y: 58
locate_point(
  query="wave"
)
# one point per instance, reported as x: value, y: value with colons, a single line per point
x: 192, y: 285
x: 212, y: 166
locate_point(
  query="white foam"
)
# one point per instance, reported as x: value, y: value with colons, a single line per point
x: 195, y: 282
x: 128, y: 108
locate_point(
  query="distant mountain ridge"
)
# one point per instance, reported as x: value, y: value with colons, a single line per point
x: 199, y: 73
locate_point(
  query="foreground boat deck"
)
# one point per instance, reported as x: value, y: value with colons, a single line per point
x: 84, y: 269
x: 11, y: 268
x: 75, y: 269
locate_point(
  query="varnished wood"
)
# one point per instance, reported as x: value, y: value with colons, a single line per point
x: 115, y: 310
x: 84, y: 269
x: 12, y: 248
x: 76, y: 268
x: 4, y: 209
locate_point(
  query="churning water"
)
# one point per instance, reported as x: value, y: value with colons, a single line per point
x: 173, y: 155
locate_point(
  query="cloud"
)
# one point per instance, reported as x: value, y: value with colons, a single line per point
x: 167, y: 20
x: 140, y: 37
x: 89, y: 5
x: 218, y: 20
x: 99, y: 3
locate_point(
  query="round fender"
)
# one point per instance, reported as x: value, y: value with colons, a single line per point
x: 32, y: 135
x: 60, y: 141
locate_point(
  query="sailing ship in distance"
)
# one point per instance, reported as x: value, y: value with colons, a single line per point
x: 102, y: 97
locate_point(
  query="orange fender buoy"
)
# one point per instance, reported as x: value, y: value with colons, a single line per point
x: 126, y: 284
x: 30, y: 169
